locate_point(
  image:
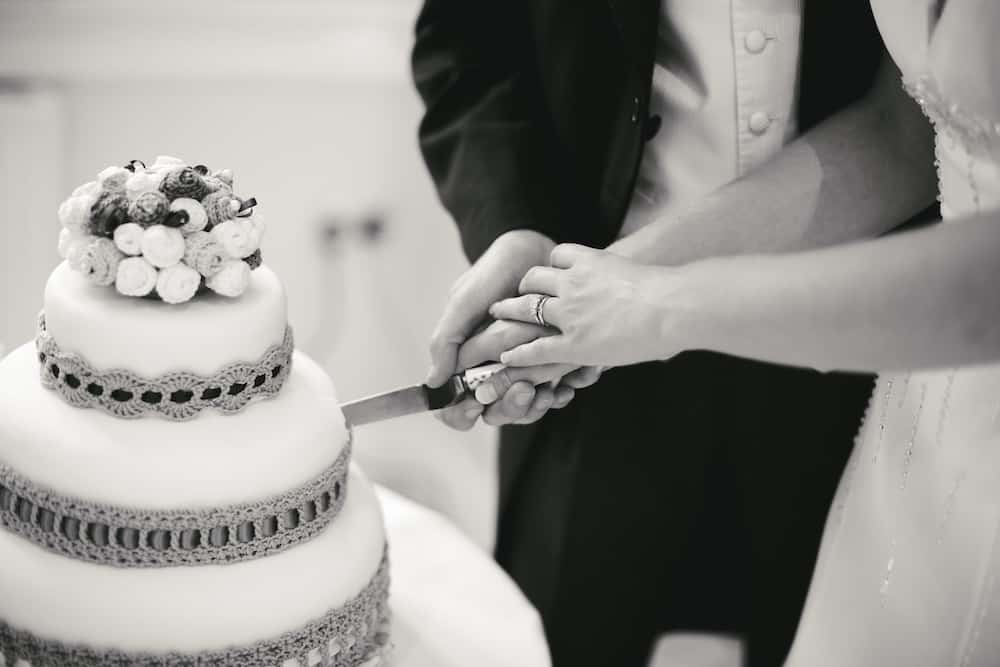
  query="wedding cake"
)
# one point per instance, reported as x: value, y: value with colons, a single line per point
x: 175, y: 479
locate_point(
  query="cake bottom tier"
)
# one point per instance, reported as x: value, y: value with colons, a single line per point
x: 323, y: 602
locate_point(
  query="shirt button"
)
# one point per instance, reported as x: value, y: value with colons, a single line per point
x: 759, y: 122
x: 755, y: 41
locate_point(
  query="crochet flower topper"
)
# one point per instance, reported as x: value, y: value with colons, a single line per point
x: 163, y: 231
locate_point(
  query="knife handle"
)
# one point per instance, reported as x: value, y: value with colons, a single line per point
x: 480, y: 374
x: 460, y: 386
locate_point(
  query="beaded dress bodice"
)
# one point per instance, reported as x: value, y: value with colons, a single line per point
x: 908, y: 570
x: 967, y: 151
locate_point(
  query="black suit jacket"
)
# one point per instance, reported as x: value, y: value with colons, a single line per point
x: 537, y: 111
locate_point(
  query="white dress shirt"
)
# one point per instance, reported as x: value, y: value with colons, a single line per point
x: 725, y: 82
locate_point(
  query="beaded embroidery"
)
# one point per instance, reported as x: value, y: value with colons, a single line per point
x: 176, y: 396
x: 349, y: 636
x: 971, y: 128
x: 127, y: 537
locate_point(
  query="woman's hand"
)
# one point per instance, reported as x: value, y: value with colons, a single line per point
x: 610, y: 311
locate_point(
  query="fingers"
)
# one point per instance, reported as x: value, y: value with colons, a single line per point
x: 540, y: 280
x: 567, y: 254
x: 549, y: 350
x: 564, y: 395
x: 525, y: 404
x: 544, y: 401
x: 500, y: 383
x: 522, y: 309
x: 513, y: 406
x: 582, y: 377
x: 462, y: 416
x: 488, y: 344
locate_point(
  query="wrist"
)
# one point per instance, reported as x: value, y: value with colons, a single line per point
x: 692, y: 305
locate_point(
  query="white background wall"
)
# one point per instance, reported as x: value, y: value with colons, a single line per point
x: 311, y: 104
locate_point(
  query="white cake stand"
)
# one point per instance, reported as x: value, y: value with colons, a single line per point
x: 452, y: 605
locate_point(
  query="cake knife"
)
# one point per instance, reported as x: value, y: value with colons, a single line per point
x: 418, y: 398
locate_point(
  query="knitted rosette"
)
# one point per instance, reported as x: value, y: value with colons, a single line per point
x: 169, y: 231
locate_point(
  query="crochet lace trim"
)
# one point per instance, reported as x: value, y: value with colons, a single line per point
x: 354, y: 635
x: 127, y: 537
x: 176, y: 396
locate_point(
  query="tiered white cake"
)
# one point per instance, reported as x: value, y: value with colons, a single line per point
x: 177, y: 490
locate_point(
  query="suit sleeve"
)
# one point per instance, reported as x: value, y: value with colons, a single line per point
x: 484, y: 136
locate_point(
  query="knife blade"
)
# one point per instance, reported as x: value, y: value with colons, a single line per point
x: 417, y: 398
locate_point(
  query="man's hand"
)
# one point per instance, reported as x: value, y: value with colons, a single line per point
x: 516, y: 395
x: 494, y: 276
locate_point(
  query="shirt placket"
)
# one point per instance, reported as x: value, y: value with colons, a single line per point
x: 765, y: 46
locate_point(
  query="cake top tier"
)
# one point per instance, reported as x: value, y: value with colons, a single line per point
x: 151, y: 338
x: 170, y: 231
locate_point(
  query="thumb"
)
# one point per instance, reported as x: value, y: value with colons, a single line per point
x: 499, y: 383
x: 460, y: 318
x: 444, y: 357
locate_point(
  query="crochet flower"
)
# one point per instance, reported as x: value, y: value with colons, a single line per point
x: 128, y: 238
x: 74, y: 213
x: 191, y: 213
x: 183, y: 182
x: 67, y: 241
x: 238, y: 237
x: 109, y: 211
x: 216, y: 184
x: 75, y: 251
x: 177, y: 283
x: 100, y: 260
x: 232, y: 280
x: 204, y: 254
x: 225, y: 175
x: 162, y: 246
x: 135, y: 277
x: 92, y: 189
x: 113, y: 178
x: 220, y: 206
x: 148, y: 209
x: 142, y: 181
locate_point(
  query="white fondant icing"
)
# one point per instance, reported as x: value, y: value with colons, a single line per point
x: 192, y: 608
x: 150, y: 338
x: 268, y: 448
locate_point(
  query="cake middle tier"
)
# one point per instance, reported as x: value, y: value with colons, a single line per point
x: 211, y: 461
x: 64, y: 601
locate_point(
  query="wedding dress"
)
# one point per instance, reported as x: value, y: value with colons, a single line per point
x: 909, y: 570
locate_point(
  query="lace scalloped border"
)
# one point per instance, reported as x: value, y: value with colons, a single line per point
x: 176, y: 396
x: 141, y: 538
x: 354, y: 635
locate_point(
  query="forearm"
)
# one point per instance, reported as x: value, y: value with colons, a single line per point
x: 920, y: 299
x: 862, y: 172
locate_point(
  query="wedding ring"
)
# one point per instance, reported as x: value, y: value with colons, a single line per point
x: 540, y: 300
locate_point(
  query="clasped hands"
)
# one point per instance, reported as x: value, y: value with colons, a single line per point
x: 602, y: 311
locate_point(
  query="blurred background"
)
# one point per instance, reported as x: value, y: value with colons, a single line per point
x: 310, y: 103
